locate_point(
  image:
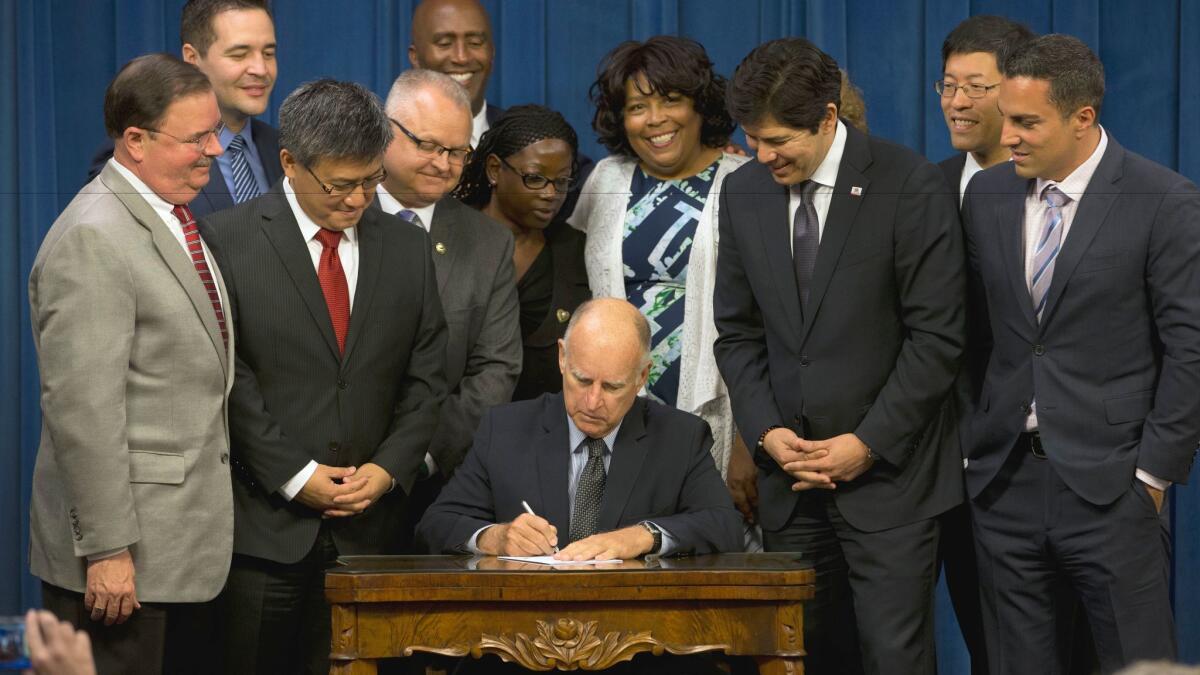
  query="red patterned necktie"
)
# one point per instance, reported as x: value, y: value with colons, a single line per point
x: 191, y: 236
x: 333, y: 284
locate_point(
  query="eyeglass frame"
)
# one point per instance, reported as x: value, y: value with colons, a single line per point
x: 199, y: 142
x: 436, y: 148
x: 344, y: 191
x: 941, y: 86
x: 526, y: 177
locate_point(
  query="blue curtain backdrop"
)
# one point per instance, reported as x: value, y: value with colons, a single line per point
x: 57, y: 56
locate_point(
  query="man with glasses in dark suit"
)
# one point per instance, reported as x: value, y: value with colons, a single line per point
x: 430, y: 114
x: 341, y: 345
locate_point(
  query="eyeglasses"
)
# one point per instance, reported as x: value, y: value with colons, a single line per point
x: 432, y: 149
x: 971, y: 89
x: 536, y: 181
x: 345, y: 189
x: 199, y: 141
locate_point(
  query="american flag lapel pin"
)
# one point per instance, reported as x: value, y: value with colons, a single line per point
x: 856, y: 191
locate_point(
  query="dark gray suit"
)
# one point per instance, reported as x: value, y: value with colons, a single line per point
x: 661, y: 469
x: 295, y: 399
x: 875, y: 354
x: 1115, y: 368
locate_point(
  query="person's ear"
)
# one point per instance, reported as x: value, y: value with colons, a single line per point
x: 190, y: 53
x: 491, y: 167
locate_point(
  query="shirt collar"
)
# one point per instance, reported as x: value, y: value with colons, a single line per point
x: 827, y: 170
x: 479, y: 124
x: 577, y: 437
x: 1075, y: 184
x: 160, y: 206
x: 970, y: 165
x: 308, y: 228
x: 227, y: 135
x: 391, y: 205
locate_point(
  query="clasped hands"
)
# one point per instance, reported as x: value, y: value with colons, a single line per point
x: 340, y: 491
x: 530, y: 535
x: 818, y: 464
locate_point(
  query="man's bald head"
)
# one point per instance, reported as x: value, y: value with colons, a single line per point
x: 454, y: 37
x: 605, y: 360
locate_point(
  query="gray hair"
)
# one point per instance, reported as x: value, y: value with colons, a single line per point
x: 329, y: 119
x: 640, y: 325
x: 410, y: 82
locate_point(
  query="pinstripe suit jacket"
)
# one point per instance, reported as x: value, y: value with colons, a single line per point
x: 295, y: 399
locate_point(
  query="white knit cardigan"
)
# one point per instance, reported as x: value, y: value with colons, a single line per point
x: 600, y: 213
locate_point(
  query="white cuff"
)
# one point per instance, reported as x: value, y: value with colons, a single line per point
x: 292, y: 488
x: 472, y: 544
x: 1152, y: 481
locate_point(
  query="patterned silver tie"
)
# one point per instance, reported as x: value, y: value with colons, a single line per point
x: 805, y: 239
x: 244, y: 185
x: 1048, y: 245
x: 589, y: 493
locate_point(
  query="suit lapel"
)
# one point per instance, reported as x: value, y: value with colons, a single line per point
x: 266, y: 139
x: 553, y: 465
x: 441, y: 232
x: 628, y: 454
x: 172, y: 253
x: 1102, y: 191
x: 843, y: 208
x: 216, y: 190
x: 280, y: 227
x: 1010, y: 223
x: 370, y: 257
x: 773, y: 226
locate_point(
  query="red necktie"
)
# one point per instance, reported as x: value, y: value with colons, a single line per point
x: 333, y: 284
x: 191, y: 236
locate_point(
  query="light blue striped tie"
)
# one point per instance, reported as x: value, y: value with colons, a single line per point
x: 411, y: 216
x: 1049, y: 243
x: 244, y: 185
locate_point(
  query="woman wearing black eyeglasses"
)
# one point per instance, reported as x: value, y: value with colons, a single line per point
x: 519, y: 175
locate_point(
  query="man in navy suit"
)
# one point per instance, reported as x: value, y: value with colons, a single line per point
x: 971, y: 58
x: 1085, y: 301
x: 609, y: 474
x: 233, y: 43
x: 839, y: 310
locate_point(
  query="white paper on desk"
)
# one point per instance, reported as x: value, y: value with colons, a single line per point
x: 554, y: 562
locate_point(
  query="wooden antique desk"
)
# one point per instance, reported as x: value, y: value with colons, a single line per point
x: 576, y: 618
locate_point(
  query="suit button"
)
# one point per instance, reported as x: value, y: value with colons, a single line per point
x: 224, y: 457
x: 341, y: 384
x: 803, y: 361
x: 1038, y: 350
x: 334, y: 447
x: 78, y: 537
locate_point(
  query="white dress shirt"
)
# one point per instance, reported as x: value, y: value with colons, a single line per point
x: 970, y: 168
x: 479, y: 125
x: 393, y: 206
x: 825, y: 177
x: 348, y: 255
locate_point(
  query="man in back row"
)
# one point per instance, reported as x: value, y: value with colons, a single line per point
x: 233, y: 43
x: 968, y: 91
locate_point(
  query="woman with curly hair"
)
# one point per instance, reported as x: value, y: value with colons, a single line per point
x: 650, y: 214
x: 519, y: 175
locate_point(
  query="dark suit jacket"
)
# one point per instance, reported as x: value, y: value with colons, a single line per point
x: 539, y: 369
x: 295, y: 399
x: 479, y: 297
x: 661, y: 469
x: 953, y: 167
x: 881, y: 345
x: 215, y: 196
x: 1115, y: 362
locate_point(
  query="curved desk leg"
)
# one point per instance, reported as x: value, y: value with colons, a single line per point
x: 355, y: 667
x: 780, y: 665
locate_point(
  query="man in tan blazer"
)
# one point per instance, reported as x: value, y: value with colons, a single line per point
x: 131, y: 517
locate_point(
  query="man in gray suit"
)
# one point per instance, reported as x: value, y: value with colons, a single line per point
x: 472, y: 256
x: 131, y: 518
